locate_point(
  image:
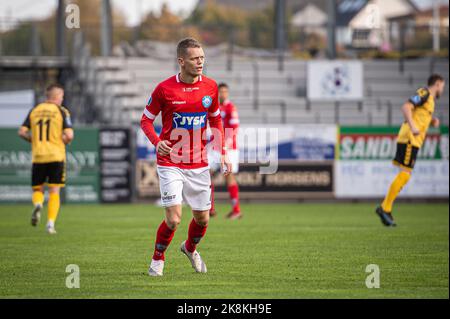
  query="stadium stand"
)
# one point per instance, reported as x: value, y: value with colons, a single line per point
x: 120, y: 86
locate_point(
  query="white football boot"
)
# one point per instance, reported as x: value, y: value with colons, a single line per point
x: 36, y: 215
x: 156, y: 268
x: 51, y: 228
x: 194, y: 258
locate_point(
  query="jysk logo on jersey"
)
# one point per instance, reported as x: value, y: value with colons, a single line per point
x: 189, y: 121
x: 149, y: 101
x: 207, y: 101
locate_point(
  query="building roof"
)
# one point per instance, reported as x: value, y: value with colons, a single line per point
x: 443, y: 11
x: 347, y: 9
x: 423, y: 14
x: 310, y: 15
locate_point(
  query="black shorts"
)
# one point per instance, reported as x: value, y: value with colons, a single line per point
x: 406, y: 156
x: 53, y: 174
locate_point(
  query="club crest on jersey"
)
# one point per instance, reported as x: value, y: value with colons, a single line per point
x: 207, y: 101
x: 189, y: 121
x: 416, y: 99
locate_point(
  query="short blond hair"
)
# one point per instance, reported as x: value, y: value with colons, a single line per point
x: 51, y: 87
x: 185, y: 44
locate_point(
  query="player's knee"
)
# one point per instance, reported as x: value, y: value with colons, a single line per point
x: 173, y: 221
x: 53, y: 190
x: 203, y: 222
x: 173, y: 216
x: 202, y: 219
x: 38, y: 189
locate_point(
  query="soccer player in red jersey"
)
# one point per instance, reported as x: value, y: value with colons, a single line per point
x: 230, y: 120
x: 186, y: 101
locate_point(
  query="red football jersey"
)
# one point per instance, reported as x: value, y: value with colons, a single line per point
x: 185, y: 109
x: 230, y: 119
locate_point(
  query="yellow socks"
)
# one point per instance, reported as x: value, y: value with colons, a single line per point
x: 399, y: 182
x: 53, y: 207
x: 37, y: 198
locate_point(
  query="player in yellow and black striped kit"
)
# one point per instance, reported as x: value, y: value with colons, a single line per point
x: 418, y: 112
x: 48, y: 128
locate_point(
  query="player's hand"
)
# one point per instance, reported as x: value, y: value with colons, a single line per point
x: 435, y: 122
x: 66, y: 139
x: 226, y: 165
x: 25, y: 134
x: 163, y: 148
x: 229, y: 143
x: 415, y: 131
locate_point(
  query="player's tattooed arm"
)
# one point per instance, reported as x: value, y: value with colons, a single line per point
x: 407, y: 113
x: 24, y: 133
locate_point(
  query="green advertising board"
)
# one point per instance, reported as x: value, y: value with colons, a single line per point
x: 380, y: 143
x: 83, y: 167
x: 82, y: 183
x: 15, y: 167
x: 363, y: 166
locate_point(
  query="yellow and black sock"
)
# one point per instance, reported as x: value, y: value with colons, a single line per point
x: 53, y: 207
x: 399, y: 182
x: 37, y: 198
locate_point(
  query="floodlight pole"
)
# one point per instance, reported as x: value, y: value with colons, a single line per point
x: 331, y: 25
x: 280, y: 32
x: 60, y: 29
x: 35, y: 41
x: 436, y: 26
x: 106, y: 28
x: 401, y: 61
x: 230, y: 51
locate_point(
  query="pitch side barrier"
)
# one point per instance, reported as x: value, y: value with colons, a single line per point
x: 288, y: 162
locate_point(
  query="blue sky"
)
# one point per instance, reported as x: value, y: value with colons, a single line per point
x: 133, y: 9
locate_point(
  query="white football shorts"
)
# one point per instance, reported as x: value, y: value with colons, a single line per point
x: 192, y: 185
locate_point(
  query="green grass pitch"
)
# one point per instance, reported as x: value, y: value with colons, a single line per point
x: 275, y: 251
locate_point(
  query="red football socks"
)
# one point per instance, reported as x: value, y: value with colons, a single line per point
x: 212, y: 197
x: 163, y: 238
x: 195, y: 234
x: 233, y: 190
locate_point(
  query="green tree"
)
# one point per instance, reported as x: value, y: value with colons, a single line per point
x: 215, y: 22
x: 16, y: 41
x: 90, y: 21
x: 261, y: 28
x: 165, y: 27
